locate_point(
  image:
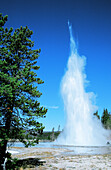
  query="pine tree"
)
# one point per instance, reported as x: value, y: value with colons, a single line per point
x: 105, y: 117
x: 19, y: 107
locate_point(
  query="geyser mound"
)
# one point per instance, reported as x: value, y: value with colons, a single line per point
x: 81, y: 128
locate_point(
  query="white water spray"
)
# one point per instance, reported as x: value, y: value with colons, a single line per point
x: 81, y: 129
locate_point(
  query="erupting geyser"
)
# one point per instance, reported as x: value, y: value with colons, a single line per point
x: 81, y: 128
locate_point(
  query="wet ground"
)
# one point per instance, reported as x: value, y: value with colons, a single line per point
x: 81, y: 150
x: 61, y: 158
x: 50, y: 156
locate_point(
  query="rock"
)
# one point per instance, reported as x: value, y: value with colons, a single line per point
x: 108, y: 143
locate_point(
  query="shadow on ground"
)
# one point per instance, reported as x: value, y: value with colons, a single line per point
x: 29, y: 163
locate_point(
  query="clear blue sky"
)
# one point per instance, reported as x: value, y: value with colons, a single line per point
x: 91, y: 22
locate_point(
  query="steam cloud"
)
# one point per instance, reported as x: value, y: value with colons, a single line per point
x: 81, y: 128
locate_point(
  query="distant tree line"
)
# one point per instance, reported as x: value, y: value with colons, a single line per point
x: 105, y: 118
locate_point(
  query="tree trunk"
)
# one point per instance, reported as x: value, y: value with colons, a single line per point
x: 4, y: 142
x: 3, y: 155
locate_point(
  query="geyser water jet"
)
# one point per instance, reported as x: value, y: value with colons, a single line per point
x: 81, y: 128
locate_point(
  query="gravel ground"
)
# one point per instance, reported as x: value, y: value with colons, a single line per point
x: 62, y: 159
